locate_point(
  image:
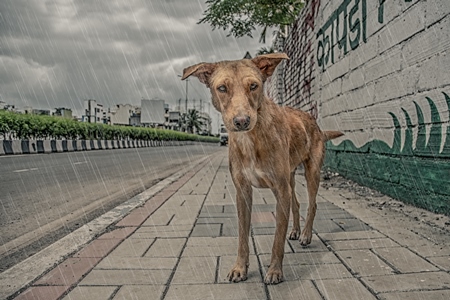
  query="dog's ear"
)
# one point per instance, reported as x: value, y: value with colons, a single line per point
x: 268, y: 62
x: 202, y: 71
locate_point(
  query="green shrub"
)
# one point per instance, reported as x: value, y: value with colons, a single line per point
x: 20, y: 126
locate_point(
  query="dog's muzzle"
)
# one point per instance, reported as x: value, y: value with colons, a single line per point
x: 241, y: 123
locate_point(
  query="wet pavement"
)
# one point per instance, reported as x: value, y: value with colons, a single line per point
x: 181, y: 241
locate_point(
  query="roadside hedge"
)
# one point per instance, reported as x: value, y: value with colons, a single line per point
x: 36, y: 127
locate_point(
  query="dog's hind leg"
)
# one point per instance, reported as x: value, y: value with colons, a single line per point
x: 312, y: 174
x: 295, y: 206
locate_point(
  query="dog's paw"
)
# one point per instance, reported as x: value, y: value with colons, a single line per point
x: 237, y: 274
x: 273, y: 276
x: 294, y: 235
x: 305, y: 239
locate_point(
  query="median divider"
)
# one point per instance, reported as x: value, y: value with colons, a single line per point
x: 10, y: 147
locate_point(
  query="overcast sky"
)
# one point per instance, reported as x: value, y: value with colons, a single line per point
x: 57, y: 53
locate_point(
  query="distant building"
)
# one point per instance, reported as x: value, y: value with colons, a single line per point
x: 121, y: 114
x: 94, y: 112
x: 135, y: 118
x: 63, y: 112
x: 153, y: 112
x: 205, y: 119
x: 6, y: 106
x: 173, y: 120
x: 33, y: 111
x: 28, y: 110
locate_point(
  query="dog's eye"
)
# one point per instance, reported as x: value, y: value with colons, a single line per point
x: 253, y: 86
x: 222, y: 89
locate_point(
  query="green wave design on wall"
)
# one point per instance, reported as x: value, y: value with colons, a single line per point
x: 415, y: 173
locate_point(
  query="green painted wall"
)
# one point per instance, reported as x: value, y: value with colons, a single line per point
x: 418, y: 174
x: 379, y: 72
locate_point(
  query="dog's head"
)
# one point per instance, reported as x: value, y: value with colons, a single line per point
x: 237, y: 87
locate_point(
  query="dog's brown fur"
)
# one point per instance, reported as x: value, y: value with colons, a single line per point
x: 266, y: 144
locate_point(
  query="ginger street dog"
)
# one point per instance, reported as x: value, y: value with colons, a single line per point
x: 266, y: 144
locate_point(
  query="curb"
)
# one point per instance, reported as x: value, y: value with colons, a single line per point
x: 11, y: 147
x: 24, y: 273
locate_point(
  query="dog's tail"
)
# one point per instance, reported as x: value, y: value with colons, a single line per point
x: 329, y: 135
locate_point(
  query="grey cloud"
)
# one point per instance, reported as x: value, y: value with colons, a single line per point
x: 59, y: 52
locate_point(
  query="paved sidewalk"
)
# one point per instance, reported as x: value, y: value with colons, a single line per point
x: 183, y: 241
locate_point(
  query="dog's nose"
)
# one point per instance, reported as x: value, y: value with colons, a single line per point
x: 241, y: 123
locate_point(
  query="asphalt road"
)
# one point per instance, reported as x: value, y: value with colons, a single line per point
x: 44, y: 197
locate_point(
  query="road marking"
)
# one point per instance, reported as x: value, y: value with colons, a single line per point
x: 80, y: 162
x: 25, y: 170
x: 15, y: 155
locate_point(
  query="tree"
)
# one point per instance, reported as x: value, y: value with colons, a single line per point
x: 244, y: 16
x: 193, y: 121
x: 264, y: 50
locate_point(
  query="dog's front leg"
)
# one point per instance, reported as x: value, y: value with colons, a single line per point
x: 244, y: 210
x: 283, y: 195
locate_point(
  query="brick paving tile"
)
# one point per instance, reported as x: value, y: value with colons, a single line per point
x: 332, y: 214
x: 166, y: 247
x: 207, y: 220
x: 311, y: 258
x: 160, y: 217
x: 91, y: 293
x: 230, y: 230
x: 351, y: 224
x: 328, y: 226
x: 145, y: 263
x: 195, y: 270
x: 187, y: 219
x: 441, y: 261
x: 154, y: 203
x: 241, y: 290
x: 132, y: 247
x: 403, y: 236
x: 364, y: 262
x: 98, y: 248
x: 362, y: 244
x: 348, y: 288
x: 42, y: 293
x: 212, y: 250
x: 301, y: 290
x: 409, y: 282
x: 322, y: 271
x: 417, y: 295
x: 68, y: 272
x: 432, y: 250
x: 124, y: 277
x: 157, y: 231
x: 161, y: 229
x: 119, y: 233
x: 206, y: 230
x: 212, y: 241
x: 404, y: 260
x: 135, y: 218
x: 149, y: 292
x: 212, y: 209
x: 351, y: 235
